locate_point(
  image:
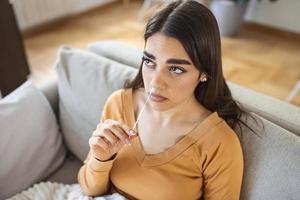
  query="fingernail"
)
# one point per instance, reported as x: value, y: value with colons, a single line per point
x: 127, y: 142
x: 131, y: 132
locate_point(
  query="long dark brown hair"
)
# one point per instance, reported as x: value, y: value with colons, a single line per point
x: 196, y: 28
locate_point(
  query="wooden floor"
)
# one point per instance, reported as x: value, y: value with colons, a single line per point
x: 260, y: 59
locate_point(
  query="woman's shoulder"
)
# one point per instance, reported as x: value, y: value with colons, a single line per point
x: 219, y: 133
x: 117, y: 93
x: 115, y: 100
x: 220, y: 142
x: 117, y: 96
x: 114, y: 105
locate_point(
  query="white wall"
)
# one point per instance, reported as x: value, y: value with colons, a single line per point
x: 83, y: 5
x: 30, y: 13
x: 283, y: 14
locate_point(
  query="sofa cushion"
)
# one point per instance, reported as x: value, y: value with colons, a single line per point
x: 85, y: 81
x: 50, y: 90
x: 30, y: 142
x: 118, y: 51
x: 68, y: 172
x: 271, y: 162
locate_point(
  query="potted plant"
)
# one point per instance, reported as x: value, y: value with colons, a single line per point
x: 229, y: 14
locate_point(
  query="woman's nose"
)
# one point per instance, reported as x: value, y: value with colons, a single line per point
x: 158, y: 81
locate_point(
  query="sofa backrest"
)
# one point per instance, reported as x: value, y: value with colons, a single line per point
x: 86, y: 79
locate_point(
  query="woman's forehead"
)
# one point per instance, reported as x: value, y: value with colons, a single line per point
x: 162, y: 46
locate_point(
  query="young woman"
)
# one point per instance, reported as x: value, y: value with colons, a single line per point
x: 183, y: 146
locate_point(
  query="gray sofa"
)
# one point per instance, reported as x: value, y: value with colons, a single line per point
x: 87, y: 77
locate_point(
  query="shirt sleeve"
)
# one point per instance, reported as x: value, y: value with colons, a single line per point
x: 93, y: 176
x: 223, y: 168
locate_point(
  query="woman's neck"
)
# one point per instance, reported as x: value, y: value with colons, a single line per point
x: 189, y: 111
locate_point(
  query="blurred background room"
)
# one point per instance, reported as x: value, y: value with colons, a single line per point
x: 260, y: 38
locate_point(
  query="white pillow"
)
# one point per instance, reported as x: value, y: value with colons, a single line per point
x: 118, y: 51
x: 30, y: 143
x: 85, y: 81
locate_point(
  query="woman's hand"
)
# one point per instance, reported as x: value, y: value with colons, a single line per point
x: 108, y: 138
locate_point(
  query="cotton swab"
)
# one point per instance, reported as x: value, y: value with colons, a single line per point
x: 139, y: 116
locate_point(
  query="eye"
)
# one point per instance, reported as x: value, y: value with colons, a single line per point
x: 177, y: 70
x: 147, y: 62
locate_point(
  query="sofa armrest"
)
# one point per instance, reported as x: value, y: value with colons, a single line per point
x: 50, y: 90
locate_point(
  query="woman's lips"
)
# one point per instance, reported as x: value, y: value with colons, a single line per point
x: 157, y: 98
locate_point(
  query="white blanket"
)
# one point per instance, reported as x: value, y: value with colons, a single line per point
x: 58, y: 191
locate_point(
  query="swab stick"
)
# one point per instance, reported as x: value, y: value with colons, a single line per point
x: 138, y: 118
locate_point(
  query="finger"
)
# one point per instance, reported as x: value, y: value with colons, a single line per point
x: 103, y: 142
x: 112, y: 146
x: 97, y: 131
x: 119, y: 132
x: 129, y: 131
x: 96, y: 142
x: 103, y: 139
x: 109, y: 135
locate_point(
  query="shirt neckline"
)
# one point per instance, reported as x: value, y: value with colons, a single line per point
x: 172, y: 152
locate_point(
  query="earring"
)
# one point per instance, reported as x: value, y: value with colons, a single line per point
x: 203, y: 78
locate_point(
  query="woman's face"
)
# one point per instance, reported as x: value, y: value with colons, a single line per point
x: 168, y: 69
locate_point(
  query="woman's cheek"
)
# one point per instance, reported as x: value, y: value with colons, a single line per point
x: 185, y: 86
x: 146, y: 76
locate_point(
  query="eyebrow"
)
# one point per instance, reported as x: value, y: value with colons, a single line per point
x: 170, y: 60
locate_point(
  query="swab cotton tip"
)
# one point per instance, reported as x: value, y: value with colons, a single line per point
x: 151, y: 91
x: 131, y: 133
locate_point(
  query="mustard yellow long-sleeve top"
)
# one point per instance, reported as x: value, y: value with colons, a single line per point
x: 207, y: 162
